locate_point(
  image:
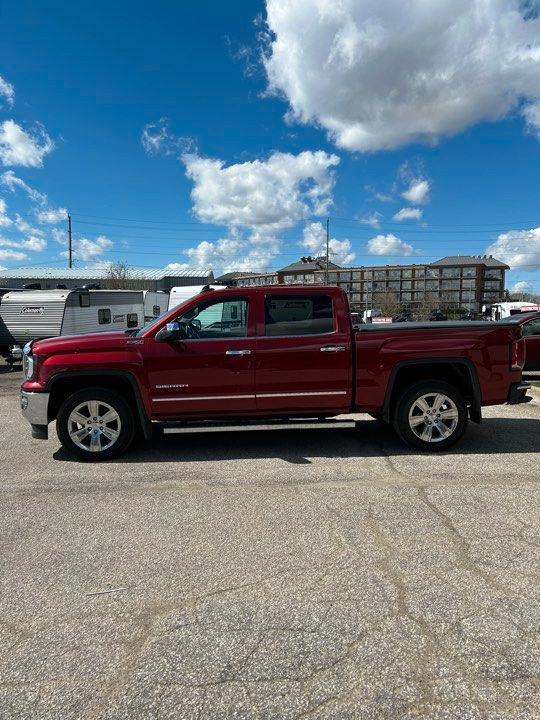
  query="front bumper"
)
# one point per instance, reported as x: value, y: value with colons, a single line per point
x: 518, y: 393
x: 35, y: 408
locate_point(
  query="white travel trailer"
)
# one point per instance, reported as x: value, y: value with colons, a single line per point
x: 498, y: 311
x: 35, y: 314
x: 154, y: 303
x: 184, y: 292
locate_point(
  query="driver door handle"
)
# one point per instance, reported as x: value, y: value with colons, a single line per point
x: 238, y: 352
x: 332, y: 348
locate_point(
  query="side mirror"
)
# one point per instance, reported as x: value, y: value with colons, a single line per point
x: 170, y: 333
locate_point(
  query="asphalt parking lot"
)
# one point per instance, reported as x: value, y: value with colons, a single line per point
x: 321, y: 573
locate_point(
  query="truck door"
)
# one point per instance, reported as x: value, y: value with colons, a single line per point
x: 304, y: 356
x: 531, y: 333
x: 212, y: 369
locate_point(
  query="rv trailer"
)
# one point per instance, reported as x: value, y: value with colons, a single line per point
x: 182, y: 293
x: 154, y: 303
x: 36, y: 314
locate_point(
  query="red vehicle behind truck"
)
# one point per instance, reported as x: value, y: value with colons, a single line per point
x: 269, y: 352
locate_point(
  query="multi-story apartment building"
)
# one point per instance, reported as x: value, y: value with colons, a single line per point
x: 457, y: 281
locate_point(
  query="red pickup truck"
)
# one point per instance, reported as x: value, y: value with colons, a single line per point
x: 269, y: 352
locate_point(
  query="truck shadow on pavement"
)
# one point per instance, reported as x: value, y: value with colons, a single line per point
x: 302, y: 446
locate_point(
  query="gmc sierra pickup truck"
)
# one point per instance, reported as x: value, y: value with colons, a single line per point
x: 269, y: 352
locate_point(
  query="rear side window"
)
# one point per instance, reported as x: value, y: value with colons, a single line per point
x: 298, y: 315
x: 104, y: 316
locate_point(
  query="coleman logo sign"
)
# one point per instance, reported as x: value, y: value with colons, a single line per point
x: 33, y: 310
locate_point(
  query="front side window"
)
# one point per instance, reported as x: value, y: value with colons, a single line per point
x: 298, y: 315
x: 214, y: 320
x: 104, y: 316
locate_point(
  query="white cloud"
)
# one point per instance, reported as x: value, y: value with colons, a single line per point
x: 408, y: 213
x: 12, y: 255
x: 256, y: 201
x: 314, y: 240
x: 51, y: 216
x: 19, y: 147
x: 418, y: 191
x: 12, y: 182
x: 531, y: 113
x: 157, y: 139
x: 24, y: 227
x: 373, y: 220
x: 7, y: 242
x: 5, y: 221
x: 522, y: 287
x: 518, y: 248
x: 380, y: 75
x: 232, y: 253
x: 389, y: 245
x: 34, y: 243
x: 7, y: 92
x: 85, y: 249
x: 175, y: 267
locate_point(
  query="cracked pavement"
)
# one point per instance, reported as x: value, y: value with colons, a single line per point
x: 276, y: 574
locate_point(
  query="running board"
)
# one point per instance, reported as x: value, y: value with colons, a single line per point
x: 176, y: 428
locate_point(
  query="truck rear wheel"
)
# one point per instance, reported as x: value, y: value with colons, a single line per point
x: 430, y: 415
x: 95, y: 424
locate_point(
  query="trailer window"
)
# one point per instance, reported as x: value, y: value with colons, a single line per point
x: 84, y: 300
x: 156, y: 310
x: 298, y: 315
x: 104, y: 316
x: 132, y: 320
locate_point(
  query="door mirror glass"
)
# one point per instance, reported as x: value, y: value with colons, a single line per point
x: 172, y: 332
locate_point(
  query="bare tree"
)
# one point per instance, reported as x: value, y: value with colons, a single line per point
x: 388, y: 303
x: 118, y: 277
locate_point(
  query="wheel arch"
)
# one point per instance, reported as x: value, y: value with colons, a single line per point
x: 64, y: 384
x: 459, y: 372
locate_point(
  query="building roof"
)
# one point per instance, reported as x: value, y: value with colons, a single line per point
x: 100, y: 273
x: 307, y: 264
x: 487, y: 260
x: 228, y: 277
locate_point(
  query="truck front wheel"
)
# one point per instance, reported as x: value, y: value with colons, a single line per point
x: 430, y: 415
x: 95, y: 424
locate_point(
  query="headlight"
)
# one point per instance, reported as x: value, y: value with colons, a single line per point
x: 28, y: 366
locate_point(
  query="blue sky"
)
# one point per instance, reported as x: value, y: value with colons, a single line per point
x: 169, y: 140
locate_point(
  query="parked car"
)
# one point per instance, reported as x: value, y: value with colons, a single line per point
x: 292, y: 352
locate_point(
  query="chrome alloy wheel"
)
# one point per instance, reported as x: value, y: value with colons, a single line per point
x: 94, y: 426
x: 433, y: 417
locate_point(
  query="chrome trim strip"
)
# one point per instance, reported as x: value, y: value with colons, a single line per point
x: 204, y: 397
x: 249, y: 397
x: 302, y: 394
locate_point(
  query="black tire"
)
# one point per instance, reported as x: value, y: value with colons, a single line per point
x: 408, y: 400
x: 125, y: 426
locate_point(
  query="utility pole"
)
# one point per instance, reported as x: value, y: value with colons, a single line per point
x: 70, y: 244
x: 327, y: 248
